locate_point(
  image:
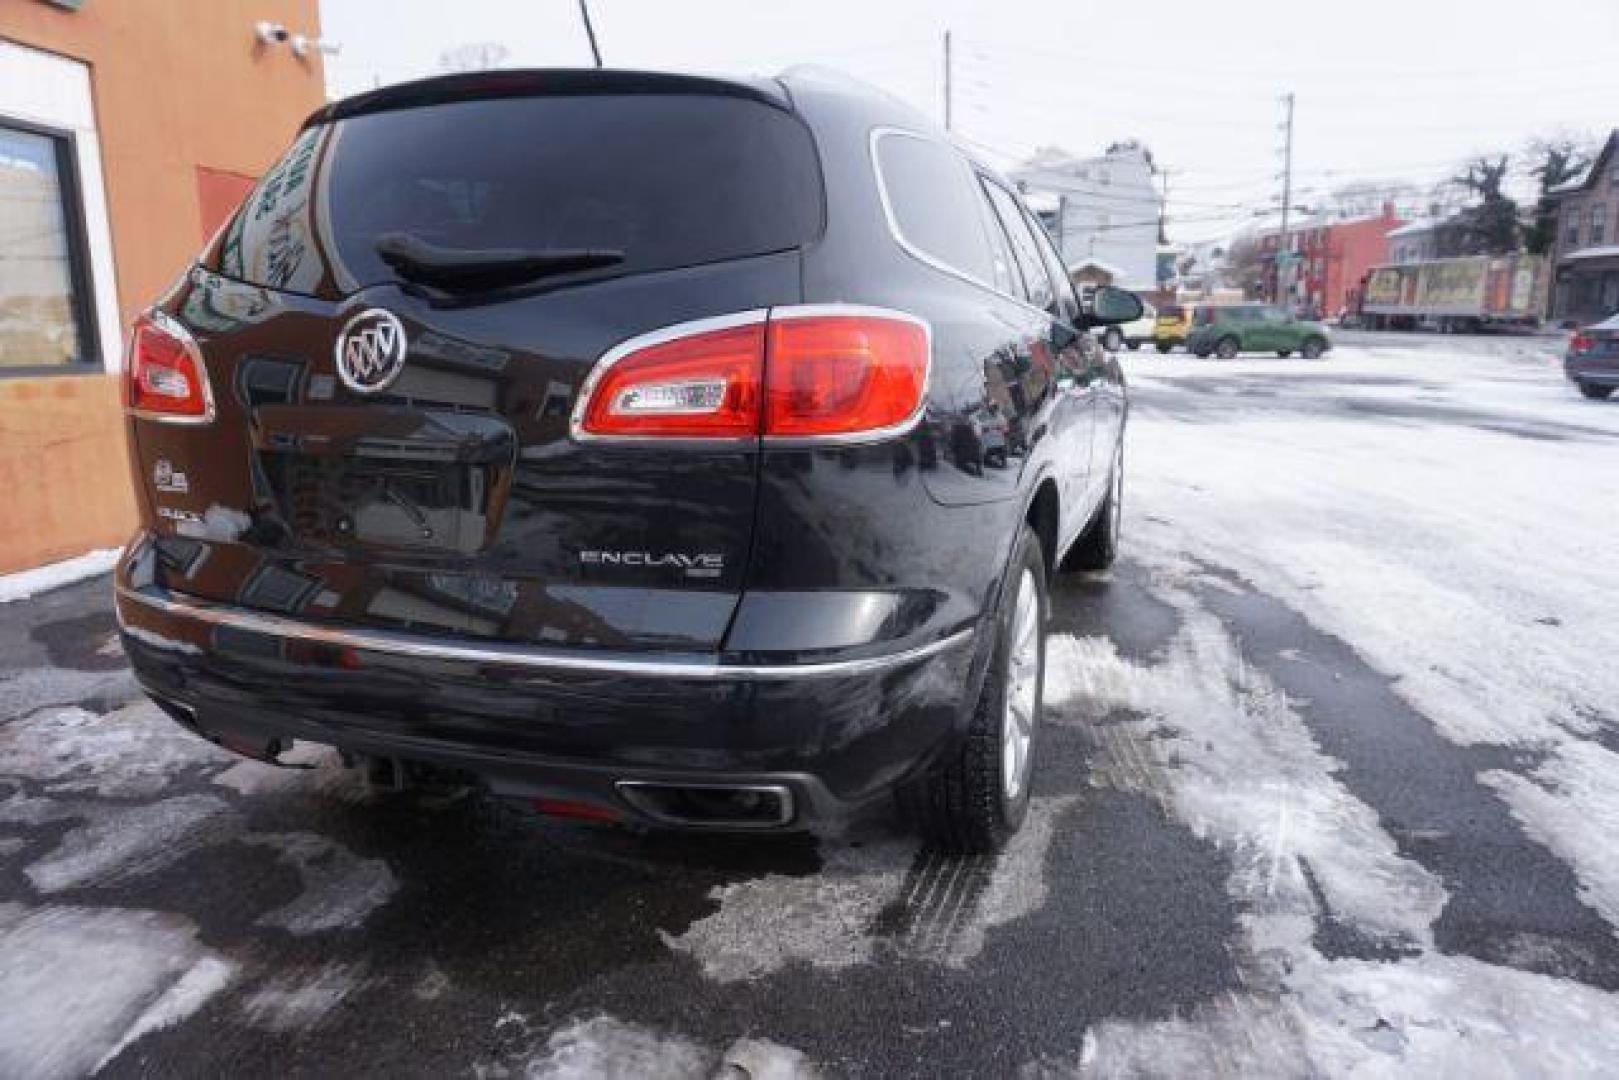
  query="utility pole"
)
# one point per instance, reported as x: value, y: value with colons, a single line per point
x: 590, y: 31
x: 947, y: 102
x: 1163, y: 206
x: 1287, y: 199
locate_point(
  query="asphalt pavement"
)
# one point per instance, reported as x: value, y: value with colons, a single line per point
x: 168, y: 910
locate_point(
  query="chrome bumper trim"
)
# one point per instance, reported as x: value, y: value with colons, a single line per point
x: 685, y: 666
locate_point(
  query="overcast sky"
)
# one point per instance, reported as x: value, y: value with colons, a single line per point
x: 1386, y: 89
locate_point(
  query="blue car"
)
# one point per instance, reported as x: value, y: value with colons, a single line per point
x: 1592, y: 361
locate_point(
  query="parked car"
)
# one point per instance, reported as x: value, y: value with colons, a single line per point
x: 1231, y: 329
x: 1173, y: 325
x: 1592, y: 360
x: 661, y: 496
x: 1134, y: 333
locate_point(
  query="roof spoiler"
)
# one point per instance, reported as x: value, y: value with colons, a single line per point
x: 546, y: 82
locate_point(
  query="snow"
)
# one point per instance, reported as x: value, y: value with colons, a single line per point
x: 79, y: 983
x: 340, y: 889
x: 125, y: 842
x: 828, y: 919
x: 1449, y: 515
x: 134, y: 752
x: 188, y: 994
x: 605, y: 1046
x: 1606, y: 251
x: 27, y: 583
x: 302, y: 999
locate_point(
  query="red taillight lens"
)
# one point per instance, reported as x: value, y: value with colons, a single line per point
x: 840, y: 374
x: 811, y: 372
x: 1581, y: 343
x: 163, y: 375
x: 703, y: 384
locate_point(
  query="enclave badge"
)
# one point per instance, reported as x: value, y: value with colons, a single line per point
x: 371, y: 351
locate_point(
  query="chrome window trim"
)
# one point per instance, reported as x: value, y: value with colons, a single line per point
x: 889, y: 217
x: 580, y: 661
x: 661, y: 336
x: 176, y: 329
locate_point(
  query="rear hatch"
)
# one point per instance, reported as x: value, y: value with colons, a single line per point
x: 447, y: 495
x: 1598, y: 343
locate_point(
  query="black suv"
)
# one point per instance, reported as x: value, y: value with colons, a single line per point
x: 656, y: 449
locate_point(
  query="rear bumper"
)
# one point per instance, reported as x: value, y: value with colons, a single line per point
x: 837, y: 733
x: 1604, y: 372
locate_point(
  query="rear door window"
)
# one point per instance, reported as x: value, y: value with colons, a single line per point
x: 670, y: 180
x: 1025, y: 250
x: 928, y: 189
x: 1067, y: 304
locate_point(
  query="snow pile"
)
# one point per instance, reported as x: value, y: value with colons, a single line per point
x: 27, y: 583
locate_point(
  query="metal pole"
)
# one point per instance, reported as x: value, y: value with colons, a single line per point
x: 947, y: 101
x: 1287, y: 193
x: 590, y: 31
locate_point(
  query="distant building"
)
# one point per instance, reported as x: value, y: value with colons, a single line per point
x: 1585, y: 254
x: 1102, y: 211
x: 128, y: 133
x: 1416, y: 242
x: 1332, y: 257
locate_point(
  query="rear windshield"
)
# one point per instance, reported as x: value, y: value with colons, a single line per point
x: 669, y: 180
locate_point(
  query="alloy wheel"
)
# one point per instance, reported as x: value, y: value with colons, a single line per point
x: 1023, y: 661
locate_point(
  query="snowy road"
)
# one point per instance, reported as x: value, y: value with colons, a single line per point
x: 1331, y: 784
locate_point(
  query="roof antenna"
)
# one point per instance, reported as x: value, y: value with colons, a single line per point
x: 590, y: 31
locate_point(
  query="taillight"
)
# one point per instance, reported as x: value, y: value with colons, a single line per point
x: 812, y: 372
x: 163, y: 374
x: 695, y: 381
x: 1582, y: 343
x: 832, y: 372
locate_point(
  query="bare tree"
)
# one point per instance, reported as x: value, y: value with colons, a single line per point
x: 1554, y: 161
x: 1490, y: 226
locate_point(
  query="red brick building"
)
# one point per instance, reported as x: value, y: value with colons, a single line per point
x: 1333, y: 257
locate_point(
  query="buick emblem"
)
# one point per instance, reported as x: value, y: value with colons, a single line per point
x: 371, y: 351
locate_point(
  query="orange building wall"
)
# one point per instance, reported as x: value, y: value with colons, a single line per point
x: 185, y: 97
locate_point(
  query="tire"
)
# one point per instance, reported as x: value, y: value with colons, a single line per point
x: 1227, y: 348
x: 1313, y: 348
x: 1098, y: 545
x: 1164, y: 346
x: 1132, y: 345
x: 1284, y: 353
x: 979, y: 797
x: 1594, y: 392
x: 1112, y: 340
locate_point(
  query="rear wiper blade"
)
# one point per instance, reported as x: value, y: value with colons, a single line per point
x: 460, y: 269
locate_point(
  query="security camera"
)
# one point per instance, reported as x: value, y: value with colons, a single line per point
x: 271, y: 33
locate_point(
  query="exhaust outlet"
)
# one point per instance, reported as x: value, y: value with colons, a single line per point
x: 727, y: 806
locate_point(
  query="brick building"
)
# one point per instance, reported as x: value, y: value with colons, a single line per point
x: 1332, y: 257
x: 128, y: 132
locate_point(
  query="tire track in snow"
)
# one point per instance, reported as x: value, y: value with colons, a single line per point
x: 1228, y: 752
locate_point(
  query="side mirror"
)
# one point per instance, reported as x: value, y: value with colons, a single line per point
x: 1110, y: 306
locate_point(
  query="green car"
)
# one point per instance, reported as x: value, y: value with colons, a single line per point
x: 1228, y: 330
